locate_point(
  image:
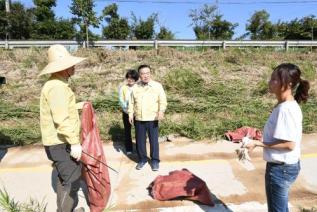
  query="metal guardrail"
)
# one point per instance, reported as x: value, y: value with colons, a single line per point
x: 157, y: 43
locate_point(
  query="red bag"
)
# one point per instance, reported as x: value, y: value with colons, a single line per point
x: 95, y: 171
x: 180, y: 184
x: 237, y: 135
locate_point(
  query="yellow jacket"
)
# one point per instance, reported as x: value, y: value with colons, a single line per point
x: 58, y: 113
x: 124, y: 96
x: 146, y: 101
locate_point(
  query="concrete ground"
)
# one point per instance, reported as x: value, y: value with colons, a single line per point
x: 26, y: 173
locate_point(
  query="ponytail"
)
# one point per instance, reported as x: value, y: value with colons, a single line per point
x: 301, y: 94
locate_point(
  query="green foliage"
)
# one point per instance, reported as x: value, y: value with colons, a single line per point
x: 209, y: 25
x: 107, y: 103
x: 23, y: 131
x: 118, y: 28
x: 110, y: 12
x: 165, y: 34
x: 301, y: 29
x: 309, y: 70
x: 310, y: 114
x: 143, y: 29
x: 8, y: 204
x: 183, y: 80
x: 83, y: 10
x: 261, y: 88
x: 43, y: 10
x: 46, y: 26
x: 10, y: 111
x: 17, y: 23
x: 85, y: 16
x: 64, y: 29
x: 259, y: 26
x: 20, y: 135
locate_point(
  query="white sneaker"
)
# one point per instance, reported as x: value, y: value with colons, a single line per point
x: 129, y: 153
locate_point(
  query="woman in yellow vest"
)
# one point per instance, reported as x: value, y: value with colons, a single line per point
x: 125, y: 90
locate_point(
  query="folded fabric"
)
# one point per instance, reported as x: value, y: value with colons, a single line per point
x: 237, y: 135
x: 180, y: 184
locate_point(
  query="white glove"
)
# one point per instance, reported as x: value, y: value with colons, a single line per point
x: 245, y: 142
x: 75, y: 151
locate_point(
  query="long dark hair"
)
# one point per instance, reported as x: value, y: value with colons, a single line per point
x: 290, y: 74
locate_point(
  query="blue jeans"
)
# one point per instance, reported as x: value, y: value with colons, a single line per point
x: 278, y: 179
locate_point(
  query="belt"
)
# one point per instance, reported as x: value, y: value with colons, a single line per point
x: 276, y: 163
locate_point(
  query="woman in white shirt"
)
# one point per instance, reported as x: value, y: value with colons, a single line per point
x: 282, y: 135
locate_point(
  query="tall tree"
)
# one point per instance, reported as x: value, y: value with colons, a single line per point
x: 144, y: 29
x: 117, y: 27
x: 64, y: 29
x: 85, y: 16
x: 302, y: 29
x: 44, y: 19
x: 43, y: 10
x: 259, y: 26
x: 165, y: 34
x: 207, y: 24
x: 17, y: 23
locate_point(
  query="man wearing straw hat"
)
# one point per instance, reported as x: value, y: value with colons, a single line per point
x: 60, y: 125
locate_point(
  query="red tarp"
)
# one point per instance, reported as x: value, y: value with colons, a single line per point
x: 237, y: 135
x: 180, y: 184
x: 95, y: 171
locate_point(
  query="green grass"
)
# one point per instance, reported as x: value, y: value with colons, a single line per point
x: 8, y: 204
x: 11, y: 111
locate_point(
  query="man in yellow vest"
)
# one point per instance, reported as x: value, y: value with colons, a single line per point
x: 147, y: 105
x: 60, y: 125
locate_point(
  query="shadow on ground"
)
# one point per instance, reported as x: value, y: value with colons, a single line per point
x: 83, y: 185
x: 5, y: 143
x: 117, y: 136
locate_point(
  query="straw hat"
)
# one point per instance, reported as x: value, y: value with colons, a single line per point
x: 59, y: 59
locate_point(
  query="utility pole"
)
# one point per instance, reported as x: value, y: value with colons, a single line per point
x: 312, y: 37
x: 7, y: 5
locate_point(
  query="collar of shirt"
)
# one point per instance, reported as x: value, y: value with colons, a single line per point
x: 59, y: 78
x: 150, y: 83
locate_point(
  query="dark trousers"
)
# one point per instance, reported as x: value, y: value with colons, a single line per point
x: 151, y: 128
x: 69, y: 174
x: 127, y: 132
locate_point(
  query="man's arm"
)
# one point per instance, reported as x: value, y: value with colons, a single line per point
x: 162, y: 103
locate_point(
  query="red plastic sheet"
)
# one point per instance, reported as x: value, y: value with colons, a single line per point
x: 180, y: 184
x: 237, y: 135
x: 95, y: 171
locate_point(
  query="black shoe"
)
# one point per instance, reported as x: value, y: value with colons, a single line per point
x: 155, y: 166
x: 140, y: 165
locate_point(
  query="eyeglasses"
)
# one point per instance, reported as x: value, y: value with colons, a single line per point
x: 145, y: 73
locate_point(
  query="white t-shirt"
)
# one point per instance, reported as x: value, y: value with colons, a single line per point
x: 285, y: 123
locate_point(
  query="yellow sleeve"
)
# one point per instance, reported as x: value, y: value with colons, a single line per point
x: 162, y: 99
x: 131, y: 105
